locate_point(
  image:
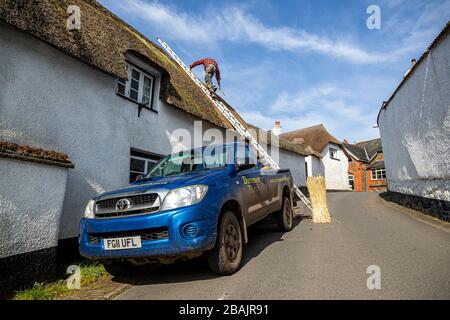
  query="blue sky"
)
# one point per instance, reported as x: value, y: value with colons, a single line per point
x: 300, y: 62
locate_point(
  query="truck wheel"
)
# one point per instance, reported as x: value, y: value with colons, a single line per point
x: 118, y: 268
x: 285, y: 216
x: 226, y: 256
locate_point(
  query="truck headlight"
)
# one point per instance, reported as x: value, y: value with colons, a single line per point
x: 185, y: 196
x: 89, y: 211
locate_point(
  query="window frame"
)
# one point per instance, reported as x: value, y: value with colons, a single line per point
x: 141, y: 83
x: 151, y: 158
x: 380, y: 174
x: 331, y: 150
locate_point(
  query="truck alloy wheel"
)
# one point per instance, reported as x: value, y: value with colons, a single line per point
x: 285, y: 216
x: 226, y: 256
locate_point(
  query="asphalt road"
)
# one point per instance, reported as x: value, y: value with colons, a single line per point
x: 321, y: 261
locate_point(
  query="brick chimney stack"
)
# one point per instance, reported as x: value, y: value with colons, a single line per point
x: 277, y: 130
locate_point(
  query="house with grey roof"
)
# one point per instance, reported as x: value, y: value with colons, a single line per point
x: 366, y: 168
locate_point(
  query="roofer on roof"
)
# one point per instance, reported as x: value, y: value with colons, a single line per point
x: 211, y: 69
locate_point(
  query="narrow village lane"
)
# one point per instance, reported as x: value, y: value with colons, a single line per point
x: 322, y: 261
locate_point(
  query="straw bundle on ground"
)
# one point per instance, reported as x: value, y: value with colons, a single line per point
x: 318, y: 195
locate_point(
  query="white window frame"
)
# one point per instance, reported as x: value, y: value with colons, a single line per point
x: 331, y: 150
x: 378, y: 173
x: 140, y: 91
x: 147, y: 161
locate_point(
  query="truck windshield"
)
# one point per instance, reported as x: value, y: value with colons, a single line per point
x: 190, y: 161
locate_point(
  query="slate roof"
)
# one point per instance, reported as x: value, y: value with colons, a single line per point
x: 364, y: 151
x: 377, y: 165
x: 316, y: 137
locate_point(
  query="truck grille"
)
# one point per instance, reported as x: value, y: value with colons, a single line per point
x: 125, y: 213
x: 146, y: 235
x: 136, y: 200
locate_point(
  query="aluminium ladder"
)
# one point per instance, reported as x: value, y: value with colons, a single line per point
x: 230, y: 117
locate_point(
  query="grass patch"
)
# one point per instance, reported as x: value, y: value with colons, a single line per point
x: 90, y: 272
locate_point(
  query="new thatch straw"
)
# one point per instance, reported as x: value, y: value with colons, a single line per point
x: 318, y: 194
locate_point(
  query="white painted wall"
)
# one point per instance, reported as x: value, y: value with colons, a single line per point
x: 31, y: 198
x: 296, y: 163
x: 415, y: 129
x: 336, y: 171
x: 315, y: 166
x: 51, y: 100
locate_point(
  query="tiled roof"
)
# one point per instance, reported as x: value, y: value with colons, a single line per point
x: 364, y: 151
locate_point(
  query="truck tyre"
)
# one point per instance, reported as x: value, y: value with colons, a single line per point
x: 225, y: 258
x: 118, y: 268
x: 285, y: 216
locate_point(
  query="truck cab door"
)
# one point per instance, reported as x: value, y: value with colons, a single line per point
x: 254, y: 186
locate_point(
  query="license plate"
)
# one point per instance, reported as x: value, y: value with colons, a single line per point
x: 122, y: 243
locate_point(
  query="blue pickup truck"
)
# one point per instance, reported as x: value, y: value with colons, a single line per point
x: 191, y: 203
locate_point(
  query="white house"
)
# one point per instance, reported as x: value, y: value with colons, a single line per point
x: 106, y: 96
x: 415, y: 132
x: 333, y: 160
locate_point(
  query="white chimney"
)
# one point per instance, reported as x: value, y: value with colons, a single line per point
x: 277, y: 130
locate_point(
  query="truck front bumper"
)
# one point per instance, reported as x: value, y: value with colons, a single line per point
x: 171, y: 233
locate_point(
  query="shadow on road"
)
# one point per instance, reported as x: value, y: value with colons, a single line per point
x: 261, y: 236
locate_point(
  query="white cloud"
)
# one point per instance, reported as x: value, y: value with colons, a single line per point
x: 234, y: 24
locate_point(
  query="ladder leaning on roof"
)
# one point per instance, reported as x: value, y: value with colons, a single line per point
x: 230, y: 117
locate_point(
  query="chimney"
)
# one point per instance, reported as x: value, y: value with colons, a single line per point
x: 413, y: 62
x: 277, y: 128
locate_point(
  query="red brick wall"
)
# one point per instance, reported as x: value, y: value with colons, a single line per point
x: 358, y: 169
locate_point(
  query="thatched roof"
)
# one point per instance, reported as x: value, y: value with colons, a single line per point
x: 316, y: 137
x: 102, y: 42
x: 265, y: 137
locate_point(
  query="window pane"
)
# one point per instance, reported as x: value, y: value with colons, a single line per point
x: 135, y: 84
x: 147, y: 81
x: 137, y: 165
x: 135, y: 74
x: 147, y: 91
x: 120, y: 87
x: 133, y: 94
x: 145, y: 100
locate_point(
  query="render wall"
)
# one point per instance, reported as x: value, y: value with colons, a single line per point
x: 50, y: 100
x: 336, y: 170
x: 415, y: 129
x: 53, y: 101
x: 31, y: 200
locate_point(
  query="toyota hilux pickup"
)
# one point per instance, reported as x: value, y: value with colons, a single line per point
x: 191, y: 203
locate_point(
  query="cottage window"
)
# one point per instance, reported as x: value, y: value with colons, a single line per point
x: 378, y: 174
x: 139, y: 87
x: 141, y: 163
x: 333, y: 154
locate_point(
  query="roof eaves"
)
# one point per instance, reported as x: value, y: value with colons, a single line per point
x: 435, y: 42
